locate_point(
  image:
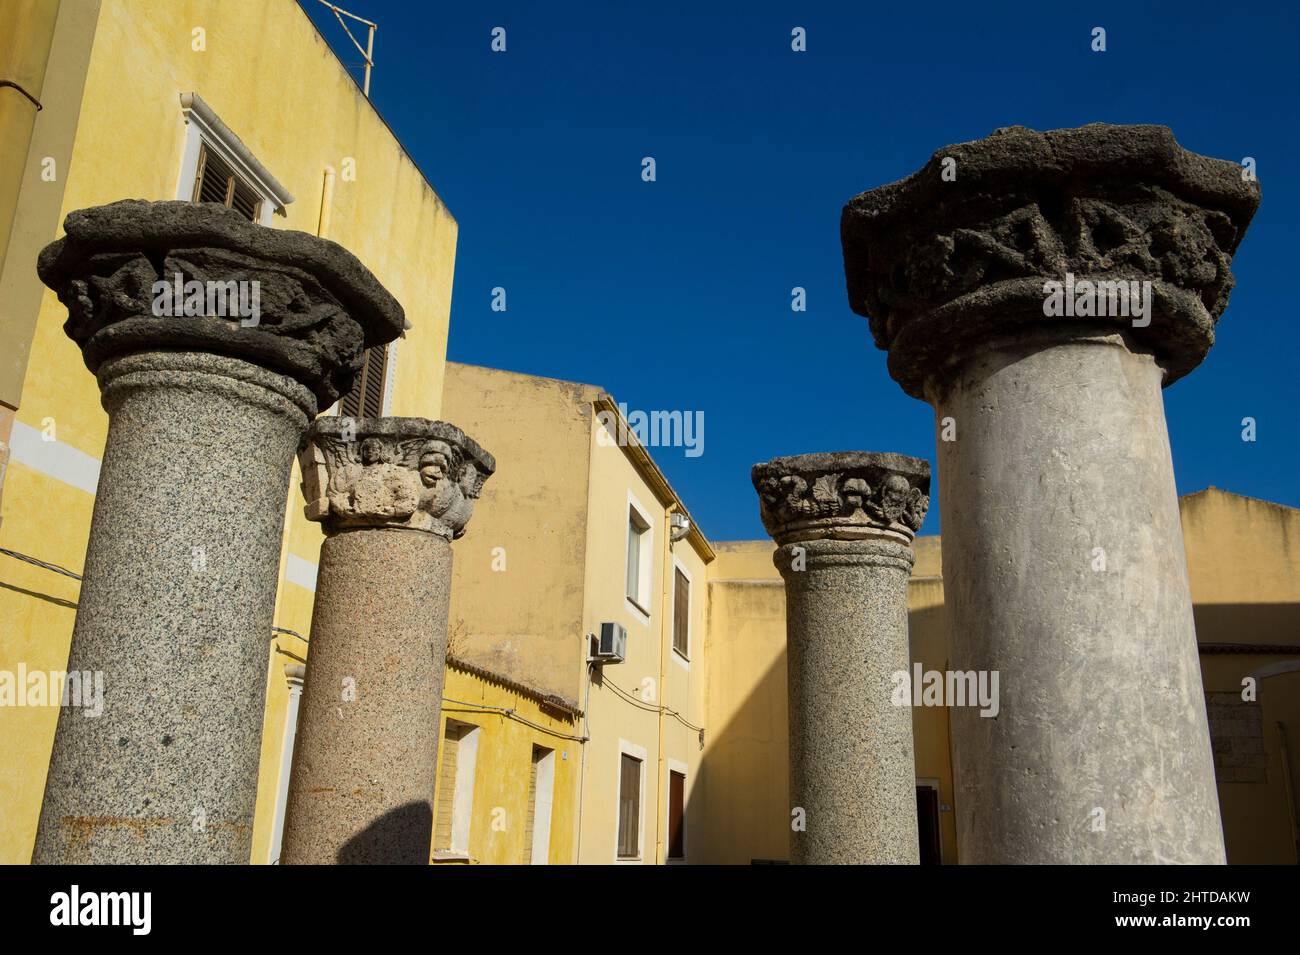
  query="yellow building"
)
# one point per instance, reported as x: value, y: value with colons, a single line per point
x: 575, y: 530
x: 196, y: 123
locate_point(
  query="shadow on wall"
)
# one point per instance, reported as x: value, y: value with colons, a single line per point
x: 401, y: 836
x: 1256, y: 744
x: 1247, y: 623
x: 740, y: 803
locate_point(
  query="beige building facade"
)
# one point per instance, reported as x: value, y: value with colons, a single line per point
x: 716, y: 715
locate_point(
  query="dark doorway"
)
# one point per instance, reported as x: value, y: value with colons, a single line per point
x: 927, y: 823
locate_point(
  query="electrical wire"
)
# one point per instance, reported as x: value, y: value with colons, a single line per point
x: 649, y: 707
x: 509, y: 712
x: 40, y: 563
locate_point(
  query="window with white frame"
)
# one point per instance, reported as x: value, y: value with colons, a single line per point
x: 217, y: 167
x: 293, y: 673
x: 537, y: 825
x: 629, y: 805
x: 681, y: 613
x: 640, y: 557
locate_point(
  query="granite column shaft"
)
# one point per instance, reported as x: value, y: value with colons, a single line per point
x: 392, y: 493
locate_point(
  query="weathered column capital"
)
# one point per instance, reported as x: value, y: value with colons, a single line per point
x: 392, y: 472
x: 957, y: 255
x: 843, y: 496
x: 141, y: 276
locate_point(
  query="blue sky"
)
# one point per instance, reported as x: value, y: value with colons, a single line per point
x: 676, y: 294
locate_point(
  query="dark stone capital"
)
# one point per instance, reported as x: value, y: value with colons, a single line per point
x: 392, y: 472
x: 959, y: 253
x: 181, y: 276
x: 845, y: 495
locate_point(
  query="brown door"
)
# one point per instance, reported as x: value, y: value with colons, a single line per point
x: 676, y: 816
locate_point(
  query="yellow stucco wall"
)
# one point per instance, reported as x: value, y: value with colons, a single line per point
x: 516, y: 604
x: 497, y: 827
x: 24, y: 55
x: 624, y: 699
x: 558, y: 506
x: 1243, y: 558
x: 746, y: 793
x: 274, y: 81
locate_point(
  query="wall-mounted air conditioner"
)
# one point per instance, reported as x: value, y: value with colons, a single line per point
x: 610, y: 645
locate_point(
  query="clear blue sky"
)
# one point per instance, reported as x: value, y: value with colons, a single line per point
x: 676, y: 294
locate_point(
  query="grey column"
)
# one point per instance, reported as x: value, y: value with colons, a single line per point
x: 844, y: 524
x: 1063, y: 560
x: 206, y: 411
x: 392, y: 493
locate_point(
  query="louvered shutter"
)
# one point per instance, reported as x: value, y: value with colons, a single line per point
x: 365, y: 399
x: 629, y: 808
x: 681, y: 611
x: 216, y: 182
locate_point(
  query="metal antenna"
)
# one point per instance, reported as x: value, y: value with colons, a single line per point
x: 369, y: 51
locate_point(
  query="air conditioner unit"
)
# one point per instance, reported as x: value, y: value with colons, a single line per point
x: 611, y: 645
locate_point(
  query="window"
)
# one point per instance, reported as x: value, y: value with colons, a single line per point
x: 676, y: 815
x: 681, y: 612
x: 366, y: 397
x: 640, y: 558
x: 537, y: 827
x: 629, y: 807
x: 455, y: 789
x: 217, y: 182
x: 217, y: 167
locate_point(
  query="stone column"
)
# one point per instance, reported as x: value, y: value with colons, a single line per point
x: 995, y: 278
x: 391, y: 493
x: 208, y: 390
x: 844, y: 525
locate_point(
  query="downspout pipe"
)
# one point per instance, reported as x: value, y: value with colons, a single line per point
x: 661, y: 689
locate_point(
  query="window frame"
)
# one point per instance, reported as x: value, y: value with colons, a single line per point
x: 639, y: 605
x: 542, y: 804
x: 294, y: 674
x: 462, y: 806
x: 204, y: 129
x: 632, y: 750
x: 682, y: 657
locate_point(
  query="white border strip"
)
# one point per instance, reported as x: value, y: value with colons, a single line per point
x: 54, y: 459
x: 300, y: 572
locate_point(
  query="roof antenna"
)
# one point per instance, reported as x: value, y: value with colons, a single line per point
x: 369, y: 51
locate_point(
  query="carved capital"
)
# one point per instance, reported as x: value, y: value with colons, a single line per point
x: 392, y: 472
x: 846, y: 495
x: 180, y: 276
x: 958, y: 253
